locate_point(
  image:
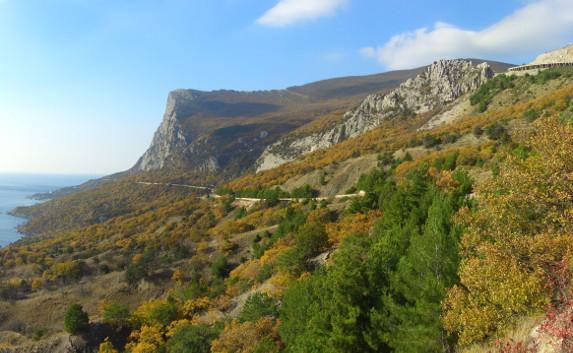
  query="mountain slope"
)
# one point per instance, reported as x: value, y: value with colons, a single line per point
x: 210, y: 132
x: 439, y: 84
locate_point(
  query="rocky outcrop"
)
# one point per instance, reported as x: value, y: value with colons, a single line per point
x: 57, y: 344
x: 563, y: 55
x: 441, y: 83
x: 222, y: 133
x: 170, y: 138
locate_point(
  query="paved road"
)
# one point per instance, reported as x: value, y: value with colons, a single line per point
x: 251, y: 199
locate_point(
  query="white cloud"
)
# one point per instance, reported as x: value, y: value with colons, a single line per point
x: 289, y: 12
x: 537, y: 26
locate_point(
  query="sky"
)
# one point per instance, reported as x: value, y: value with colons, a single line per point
x: 83, y: 83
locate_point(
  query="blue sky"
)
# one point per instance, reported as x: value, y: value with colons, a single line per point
x: 83, y: 83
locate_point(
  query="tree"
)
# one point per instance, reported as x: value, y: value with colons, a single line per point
x: 191, y: 339
x: 116, y: 315
x: 257, y: 306
x: 522, y: 225
x: 76, y: 319
x: 420, y: 282
x: 220, y: 267
x: 312, y: 239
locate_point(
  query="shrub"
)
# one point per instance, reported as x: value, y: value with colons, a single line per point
x: 258, y: 306
x: 312, y: 239
x: 531, y: 115
x: 156, y: 312
x: 497, y: 132
x: 220, y: 267
x: 76, y: 319
x: 191, y: 339
x: 430, y: 141
x: 116, y: 315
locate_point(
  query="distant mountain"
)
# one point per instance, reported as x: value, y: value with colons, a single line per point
x: 226, y: 131
x: 437, y: 85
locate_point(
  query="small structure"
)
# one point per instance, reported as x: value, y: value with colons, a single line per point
x: 557, y: 58
x: 530, y: 67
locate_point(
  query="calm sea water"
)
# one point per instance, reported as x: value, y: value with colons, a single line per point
x: 15, y: 191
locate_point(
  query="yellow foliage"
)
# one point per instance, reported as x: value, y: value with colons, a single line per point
x: 149, y: 339
x: 520, y: 231
x: 244, y: 337
x: 107, y: 347
x: 352, y: 223
x: 193, y: 307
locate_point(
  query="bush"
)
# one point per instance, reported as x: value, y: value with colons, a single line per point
x: 531, y: 115
x: 76, y: 319
x: 116, y: 315
x: 220, y: 267
x: 430, y: 141
x: 312, y: 239
x: 497, y: 132
x: 258, y: 306
x: 156, y: 312
x: 477, y: 131
x: 304, y: 192
x: 191, y: 339
x: 484, y: 95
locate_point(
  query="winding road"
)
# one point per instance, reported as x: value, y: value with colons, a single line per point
x: 251, y: 199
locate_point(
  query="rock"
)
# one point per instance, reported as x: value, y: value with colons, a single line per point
x: 443, y: 82
x: 169, y: 138
x: 563, y: 55
x: 57, y: 344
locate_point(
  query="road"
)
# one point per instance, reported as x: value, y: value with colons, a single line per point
x: 251, y: 199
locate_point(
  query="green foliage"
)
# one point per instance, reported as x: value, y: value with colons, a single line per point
x: 293, y: 220
x: 141, y: 267
x: 258, y: 306
x: 191, y: 339
x: 311, y: 239
x: 531, y: 115
x: 430, y: 141
x: 116, y: 314
x: 497, y: 131
x: 220, y: 267
x: 304, y: 192
x: 484, y: 95
x: 76, y: 320
x: 446, y: 163
x: 156, y: 312
x: 377, y: 184
x: 477, y: 131
x: 384, y: 292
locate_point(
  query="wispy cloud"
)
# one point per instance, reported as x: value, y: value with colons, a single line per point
x: 535, y: 27
x: 290, y: 12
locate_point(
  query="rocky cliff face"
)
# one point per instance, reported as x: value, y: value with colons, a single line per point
x: 441, y: 83
x: 170, y: 139
x: 224, y: 132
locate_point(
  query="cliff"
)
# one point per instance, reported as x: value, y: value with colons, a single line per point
x: 441, y: 83
x: 224, y: 132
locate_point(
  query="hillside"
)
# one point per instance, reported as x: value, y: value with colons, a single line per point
x: 462, y: 174
x: 225, y: 131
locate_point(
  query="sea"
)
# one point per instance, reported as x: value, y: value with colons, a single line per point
x: 16, y: 190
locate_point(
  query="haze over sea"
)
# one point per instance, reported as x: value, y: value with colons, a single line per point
x: 15, y: 191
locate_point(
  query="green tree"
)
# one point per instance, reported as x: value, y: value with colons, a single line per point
x: 312, y: 239
x: 116, y: 315
x: 76, y: 319
x: 420, y: 282
x: 257, y: 306
x: 191, y: 339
